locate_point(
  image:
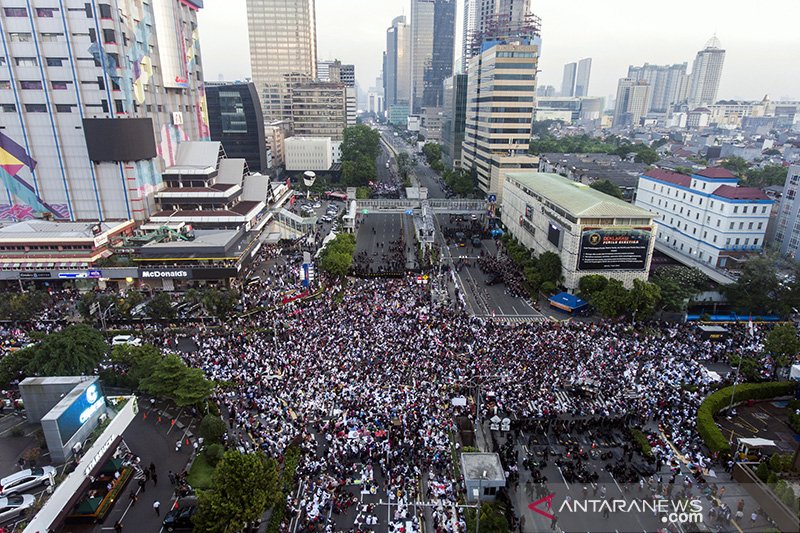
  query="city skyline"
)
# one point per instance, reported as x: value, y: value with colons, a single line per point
x: 678, y: 39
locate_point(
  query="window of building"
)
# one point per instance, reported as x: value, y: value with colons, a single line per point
x: 741, y: 225
x: 746, y: 242
x: 5, y: 84
x: 109, y: 36
x: 64, y: 108
x: 46, y: 12
x: 20, y: 37
x: 55, y: 61
x: 736, y: 209
x: 750, y: 226
x: 26, y: 62
x: 15, y: 11
x: 727, y: 243
x: 30, y: 85
x: 714, y: 239
x: 60, y: 85
x: 119, y: 106
x: 711, y: 204
x: 8, y: 108
x: 731, y: 226
x: 755, y: 242
x: 50, y: 37
x: 744, y: 210
x: 36, y: 108
x: 760, y: 225
x: 705, y: 235
x: 764, y: 209
x: 105, y: 11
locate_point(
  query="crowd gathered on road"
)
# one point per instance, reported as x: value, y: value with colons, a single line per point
x: 363, y: 378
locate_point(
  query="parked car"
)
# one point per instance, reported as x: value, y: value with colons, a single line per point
x: 15, y: 505
x: 129, y: 340
x: 180, y: 519
x: 25, y: 480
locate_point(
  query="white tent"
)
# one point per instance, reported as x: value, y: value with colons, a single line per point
x: 794, y: 373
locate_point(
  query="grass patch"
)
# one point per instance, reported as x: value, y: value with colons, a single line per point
x: 200, y: 473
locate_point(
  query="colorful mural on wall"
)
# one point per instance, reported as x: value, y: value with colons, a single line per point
x: 23, y: 202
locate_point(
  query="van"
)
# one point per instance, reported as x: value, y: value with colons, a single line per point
x: 128, y: 340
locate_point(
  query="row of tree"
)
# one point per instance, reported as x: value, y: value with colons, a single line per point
x: 543, y: 273
x: 336, y: 258
x: 360, y: 148
x: 756, y: 176
x: 612, y: 300
x: 766, y: 285
x: 433, y: 154
x: 584, y: 144
x: 22, y: 306
x: 215, y: 302
x: 81, y: 350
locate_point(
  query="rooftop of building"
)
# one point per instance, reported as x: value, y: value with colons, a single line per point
x: 730, y: 192
x: 483, y: 466
x: 740, y: 193
x: 195, y: 157
x: 669, y: 176
x: 46, y: 229
x: 716, y: 173
x: 576, y: 198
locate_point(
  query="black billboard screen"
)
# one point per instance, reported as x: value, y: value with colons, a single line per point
x: 119, y: 139
x: 554, y: 235
x: 614, y: 249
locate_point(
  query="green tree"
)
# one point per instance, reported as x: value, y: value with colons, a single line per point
x: 757, y: 289
x: 736, y: 164
x: 172, y: 379
x: 75, y: 351
x: 160, y: 307
x: 493, y: 518
x: 678, y: 284
x: 212, y: 428
x: 766, y: 176
x: 590, y: 285
x: 360, y: 147
x: 337, y: 257
x: 782, y: 344
x: 549, y: 266
x: 611, y: 302
x: 125, y: 304
x: 130, y: 365
x: 648, y: 156
x: 608, y: 188
x: 643, y: 299
x: 244, y: 487
x: 220, y: 303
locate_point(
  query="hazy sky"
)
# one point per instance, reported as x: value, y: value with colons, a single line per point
x: 761, y: 40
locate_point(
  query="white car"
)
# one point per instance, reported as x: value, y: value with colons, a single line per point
x: 15, y: 505
x: 26, y: 479
x: 129, y: 340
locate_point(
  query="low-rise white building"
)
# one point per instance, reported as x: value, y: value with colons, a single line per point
x: 592, y: 232
x: 308, y: 153
x: 705, y: 219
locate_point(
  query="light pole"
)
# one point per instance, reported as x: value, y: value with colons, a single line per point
x: 478, y: 511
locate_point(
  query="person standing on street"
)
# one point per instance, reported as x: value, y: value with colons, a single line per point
x: 156, y: 506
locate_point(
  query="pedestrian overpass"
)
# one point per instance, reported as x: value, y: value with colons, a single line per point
x: 435, y: 205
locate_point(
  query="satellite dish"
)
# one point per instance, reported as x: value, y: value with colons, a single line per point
x: 309, y: 178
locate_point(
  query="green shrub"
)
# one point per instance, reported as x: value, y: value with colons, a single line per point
x: 214, y: 454
x: 794, y: 417
x: 762, y: 471
x: 641, y: 441
x: 714, y: 403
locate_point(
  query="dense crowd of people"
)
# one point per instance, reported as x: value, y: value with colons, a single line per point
x: 364, y: 380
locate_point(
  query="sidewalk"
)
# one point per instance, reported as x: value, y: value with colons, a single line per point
x: 153, y: 439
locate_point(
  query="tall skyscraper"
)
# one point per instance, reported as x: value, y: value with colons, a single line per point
x: 568, y: 80
x: 283, y: 49
x: 501, y: 89
x: 236, y: 120
x: 481, y: 15
x: 668, y: 84
x: 94, y: 100
x: 582, y: 79
x: 433, y: 25
x: 706, y: 74
x: 454, y: 114
x: 397, y: 73
x: 633, y: 97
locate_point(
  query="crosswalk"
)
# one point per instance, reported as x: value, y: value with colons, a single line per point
x: 516, y: 319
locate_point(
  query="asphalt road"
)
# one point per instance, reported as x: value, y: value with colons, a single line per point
x: 426, y: 177
x: 376, y: 234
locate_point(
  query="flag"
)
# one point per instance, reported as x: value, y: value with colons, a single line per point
x: 750, y: 326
